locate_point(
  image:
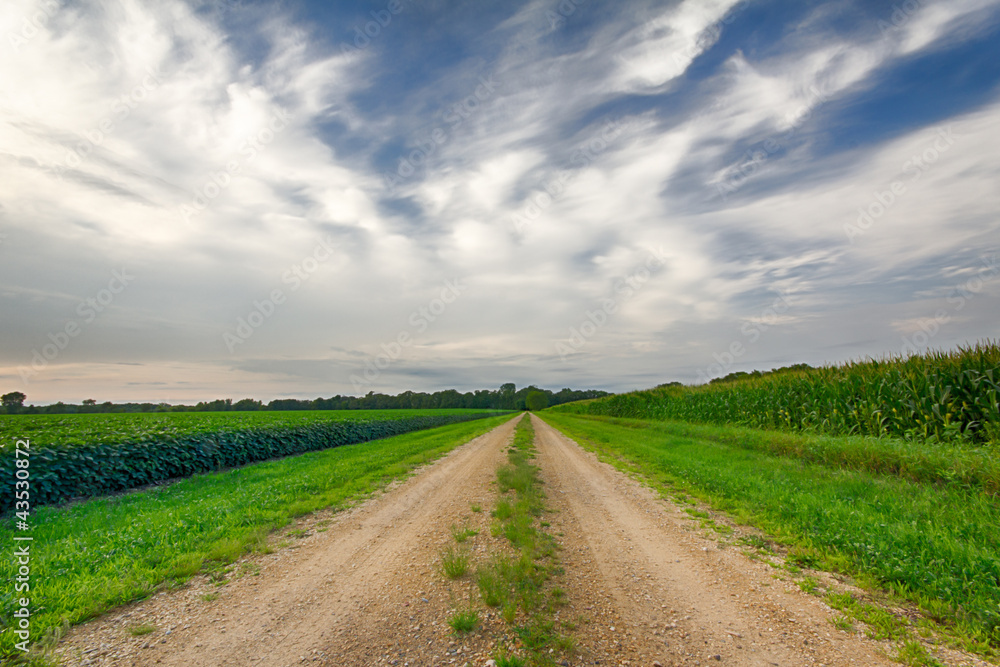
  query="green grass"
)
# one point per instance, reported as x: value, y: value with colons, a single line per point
x: 461, y: 535
x: 89, y: 557
x: 935, y: 396
x: 504, y: 659
x: 454, y: 563
x: 141, y: 630
x: 936, y: 545
x: 941, y: 462
x: 520, y: 585
x: 914, y: 654
x: 464, y: 621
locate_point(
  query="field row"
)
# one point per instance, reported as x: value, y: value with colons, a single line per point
x: 148, y: 450
x: 57, y: 430
x: 937, y: 396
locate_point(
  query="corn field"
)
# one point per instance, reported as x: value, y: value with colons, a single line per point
x: 935, y: 397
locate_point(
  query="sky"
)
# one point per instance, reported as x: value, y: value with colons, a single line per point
x: 229, y: 198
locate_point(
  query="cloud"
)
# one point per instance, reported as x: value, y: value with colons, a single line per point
x: 542, y: 159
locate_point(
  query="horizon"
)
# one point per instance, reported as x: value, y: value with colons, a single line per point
x: 319, y: 199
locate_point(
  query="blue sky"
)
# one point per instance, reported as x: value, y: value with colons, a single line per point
x: 231, y: 198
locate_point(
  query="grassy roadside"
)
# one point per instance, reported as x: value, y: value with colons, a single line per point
x: 934, y: 545
x: 93, y: 556
x: 920, y: 461
x: 516, y: 579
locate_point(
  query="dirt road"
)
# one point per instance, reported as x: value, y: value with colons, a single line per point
x: 364, y: 587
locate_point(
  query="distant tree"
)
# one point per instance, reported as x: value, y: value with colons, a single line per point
x: 536, y: 400
x: 506, y: 396
x: 13, y: 401
x: 89, y: 401
x: 248, y: 404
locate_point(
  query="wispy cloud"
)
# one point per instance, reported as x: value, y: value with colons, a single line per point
x: 210, y: 151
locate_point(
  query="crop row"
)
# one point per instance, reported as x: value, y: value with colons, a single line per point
x: 58, y: 473
x: 936, y: 396
x: 70, y: 430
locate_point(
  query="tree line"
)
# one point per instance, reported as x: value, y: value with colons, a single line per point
x: 507, y: 397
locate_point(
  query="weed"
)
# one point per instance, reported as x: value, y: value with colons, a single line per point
x: 842, y: 622
x: 565, y: 643
x: 464, y: 621
x: 804, y: 557
x: 218, y: 577
x: 492, y: 587
x: 454, y: 563
x: 913, y: 653
x: 757, y: 542
x: 509, y: 613
x: 880, y: 623
x: 504, y: 510
x: 143, y: 629
x: 249, y: 568
x: 464, y: 534
x: 808, y: 584
x: 505, y: 659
